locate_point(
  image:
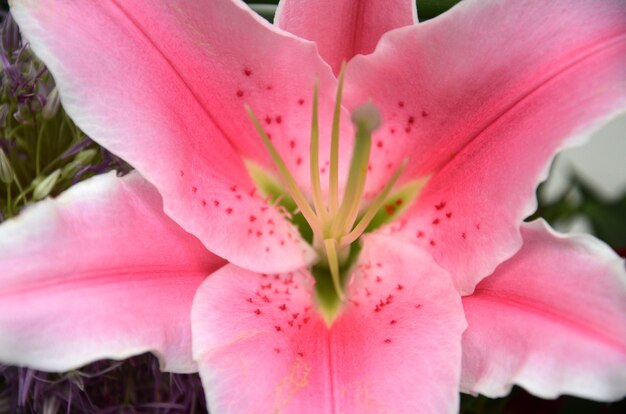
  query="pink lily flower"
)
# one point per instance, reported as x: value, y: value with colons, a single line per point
x: 454, y: 292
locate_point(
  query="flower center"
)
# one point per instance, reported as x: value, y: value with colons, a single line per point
x: 336, y: 225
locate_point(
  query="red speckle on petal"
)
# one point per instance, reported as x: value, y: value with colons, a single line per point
x: 216, y: 203
x: 419, y: 234
x: 411, y: 120
x: 301, y: 354
x: 279, y: 119
x: 390, y: 209
x: 268, y: 119
x: 252, y: 219
x: 282, y: 307
x: 292, y: 144
x: 424, y: 114
x: 259, y: 233
x: 418, y: 306
x: 194, y: 189
x: 278, y: 328
x: 387, y: 341
x: 277, y: 350
x: 300, y: 101
x: 407, y: 130
x: 440, y: 206
x: 401, y: 104
x: 203, y: 203
x: 247, y: 72
x: 379, y: 144
x: 182, y: 173
x: 449, y: 214
x: 393, y: 322
x: 240, y: 93
x: 257, y: 311
x: 392, y: 130
x: 478, y: 226
x: 464, y: 236
x: 229, y: 210
x: 432, y: 242
x: 298, y: 160
x: 399, y: 287
x: 378, y: 279
x: 233, y: 188
x: 436, y: 221
x: 268, y: 87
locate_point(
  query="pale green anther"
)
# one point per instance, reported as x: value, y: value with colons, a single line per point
x: 318, y: 198
x: 333, y: 177
x: 70, y: 169
x: 7, y: 175
x: 45, y: 186
x: 85, y: 156
x: 294, y: 190
x: 52, y: 105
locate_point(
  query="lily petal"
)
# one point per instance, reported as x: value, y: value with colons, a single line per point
x: 344, y: 28
x: 100, y: 272
x: 482, y: 109
x: 163, y: 85
x: 551, y: 319
x: 395, y: 348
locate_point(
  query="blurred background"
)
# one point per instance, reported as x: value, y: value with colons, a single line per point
x: 585, y: 192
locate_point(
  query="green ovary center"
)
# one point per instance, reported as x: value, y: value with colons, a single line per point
x: 333, y: 226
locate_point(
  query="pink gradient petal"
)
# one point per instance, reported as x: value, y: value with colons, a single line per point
x: 163, y: 85
x: 551, y: 319
x: 344, y: 28
x: 480, y: 99
x: 395, y: 348
x: 100, y: 272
